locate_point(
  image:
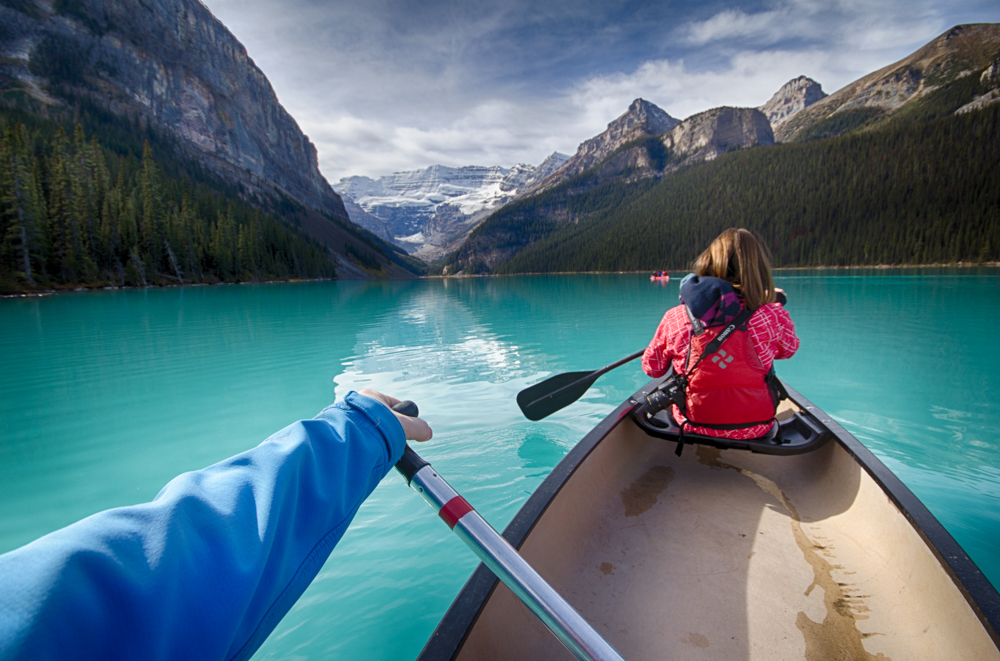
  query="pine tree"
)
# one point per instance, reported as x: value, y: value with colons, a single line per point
x: 73, y: 212
x: 64, y: 232
x: 150, y: 240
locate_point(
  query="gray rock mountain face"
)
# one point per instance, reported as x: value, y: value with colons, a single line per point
x: 621, y: 153
x: 957, y: 52
x: 990, y: 80
x: 709, y: 134
x: 795, y: 95
x: 174, y: 64
x: 426, y: 211
x: 642, y: 119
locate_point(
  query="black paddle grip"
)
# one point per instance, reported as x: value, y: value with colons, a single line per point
x: 407, y: 408
x: 411, y: 463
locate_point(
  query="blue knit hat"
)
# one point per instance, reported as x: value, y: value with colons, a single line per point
x: 713, y: 301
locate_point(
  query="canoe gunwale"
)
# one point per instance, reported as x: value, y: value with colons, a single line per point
x: 982, y: 597
x: 448, y: 638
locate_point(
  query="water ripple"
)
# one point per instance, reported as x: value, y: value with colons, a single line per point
x: 106, y: 396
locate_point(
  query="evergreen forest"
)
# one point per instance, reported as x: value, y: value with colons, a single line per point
x: 77, y: 211
x: 921, y: 191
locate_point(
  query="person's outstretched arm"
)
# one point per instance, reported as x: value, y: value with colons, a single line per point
x: 210, y: 566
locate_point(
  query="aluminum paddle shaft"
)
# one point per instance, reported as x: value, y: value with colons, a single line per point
x: 503, y: 560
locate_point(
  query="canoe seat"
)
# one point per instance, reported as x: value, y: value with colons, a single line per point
x: 798, y: 430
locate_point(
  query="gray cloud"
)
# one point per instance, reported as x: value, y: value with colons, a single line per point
x: 388, y: 85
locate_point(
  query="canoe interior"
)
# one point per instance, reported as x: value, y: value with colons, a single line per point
x: 799, y: 431
x: 728, y: 554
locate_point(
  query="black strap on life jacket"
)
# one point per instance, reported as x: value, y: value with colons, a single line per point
x: 738, y: 322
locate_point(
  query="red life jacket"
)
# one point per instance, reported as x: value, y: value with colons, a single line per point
x: 727, y: 390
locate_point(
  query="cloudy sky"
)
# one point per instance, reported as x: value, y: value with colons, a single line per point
x: 388, y: 85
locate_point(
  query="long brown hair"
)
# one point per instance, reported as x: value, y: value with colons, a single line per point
x: 738, y: 257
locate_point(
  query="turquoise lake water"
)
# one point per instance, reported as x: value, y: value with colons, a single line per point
x: 106, y: 396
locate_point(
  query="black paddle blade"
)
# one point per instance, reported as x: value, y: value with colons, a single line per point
x: 554, y: 393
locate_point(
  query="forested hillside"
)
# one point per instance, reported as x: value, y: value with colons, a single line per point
x: 961, y: 58
x: 75, y: 213
x: 908, y: 193
x: 942, y: 102
x: 91, y: 199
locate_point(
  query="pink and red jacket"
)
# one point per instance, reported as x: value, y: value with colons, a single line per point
x: 770, y: 335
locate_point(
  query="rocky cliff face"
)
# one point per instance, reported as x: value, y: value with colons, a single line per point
x: 794, y: 96
x: 958, y: 52
x: 701, y: 137
x: 709, y: 134
x: 990, y: 81
x: 427, y: 210
x: 620, y: 152
x: 174, y: 64
x: 642, y: 119
x: 553, y: 162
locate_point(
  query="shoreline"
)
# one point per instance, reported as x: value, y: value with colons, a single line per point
x: 955, y: 265
x: 82, y: 288
x: 879, y: 267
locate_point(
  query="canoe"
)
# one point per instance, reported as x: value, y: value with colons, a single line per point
x: 659, y: 278
x: 803, y: 547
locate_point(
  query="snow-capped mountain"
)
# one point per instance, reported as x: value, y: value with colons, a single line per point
x: 426, y: 210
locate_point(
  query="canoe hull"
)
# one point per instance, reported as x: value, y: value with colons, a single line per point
x: 729, y: 554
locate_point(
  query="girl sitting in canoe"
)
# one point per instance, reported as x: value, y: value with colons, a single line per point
x: 730, y: 393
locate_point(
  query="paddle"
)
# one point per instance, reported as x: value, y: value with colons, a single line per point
x: 503, y: 559
x: 561, y: 390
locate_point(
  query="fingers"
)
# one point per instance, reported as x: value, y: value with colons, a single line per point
x: 414, y: 428
x: 388, y: 400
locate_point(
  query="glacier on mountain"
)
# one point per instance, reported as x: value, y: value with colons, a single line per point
x: 426, y: 210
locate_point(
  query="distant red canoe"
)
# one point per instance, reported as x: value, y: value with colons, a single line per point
x: 659, y: 278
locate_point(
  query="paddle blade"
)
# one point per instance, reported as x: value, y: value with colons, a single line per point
x: 554, y: 393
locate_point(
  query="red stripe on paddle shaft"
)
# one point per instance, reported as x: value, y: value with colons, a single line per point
x: 454, y: 510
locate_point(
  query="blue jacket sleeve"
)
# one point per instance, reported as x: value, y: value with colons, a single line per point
x: 210, y: 566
